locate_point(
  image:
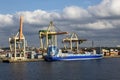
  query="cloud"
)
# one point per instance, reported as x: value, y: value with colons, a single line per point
x: 74, y: 12
x: 97, y: 22
x: 107, y: 8
x: 6, y: 20
x: 38, y: 16
x: 97, y: 25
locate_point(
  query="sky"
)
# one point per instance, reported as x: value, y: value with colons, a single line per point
x: 13, y: 6
x: 94, y: 20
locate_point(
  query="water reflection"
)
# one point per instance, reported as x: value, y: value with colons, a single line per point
x: 105, y: 69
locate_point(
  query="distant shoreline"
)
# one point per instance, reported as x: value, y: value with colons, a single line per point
x: 118, y: 56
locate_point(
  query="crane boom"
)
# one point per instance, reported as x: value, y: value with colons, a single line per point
x: 21, y: 25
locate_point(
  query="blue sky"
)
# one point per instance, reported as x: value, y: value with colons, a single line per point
x: 12, y: 6
x: 94, y: 20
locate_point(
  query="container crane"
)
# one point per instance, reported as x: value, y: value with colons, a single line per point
x: 73, y: 38
x: 17, y: 44
x: 49, y: 36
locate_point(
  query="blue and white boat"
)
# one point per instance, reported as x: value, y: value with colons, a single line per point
x: 55, y: 54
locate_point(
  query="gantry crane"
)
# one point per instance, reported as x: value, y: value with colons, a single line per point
x: 17, y: 44
x: 70, y: 40
x: 49, y: 36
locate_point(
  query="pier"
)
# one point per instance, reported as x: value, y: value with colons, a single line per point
x: 17, y: 61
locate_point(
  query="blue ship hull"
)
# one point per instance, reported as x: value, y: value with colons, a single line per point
x: 68, y: 58
x: 55, y: 54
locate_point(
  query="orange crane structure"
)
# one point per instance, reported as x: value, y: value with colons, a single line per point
x: 72, y: 39
x: 49, y: 36
x: 17, y: 44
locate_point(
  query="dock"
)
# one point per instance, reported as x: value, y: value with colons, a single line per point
x: 17, y: 61
x: 118, y: 56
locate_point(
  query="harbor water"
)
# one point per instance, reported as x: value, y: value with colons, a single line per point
x: 103, y: 69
